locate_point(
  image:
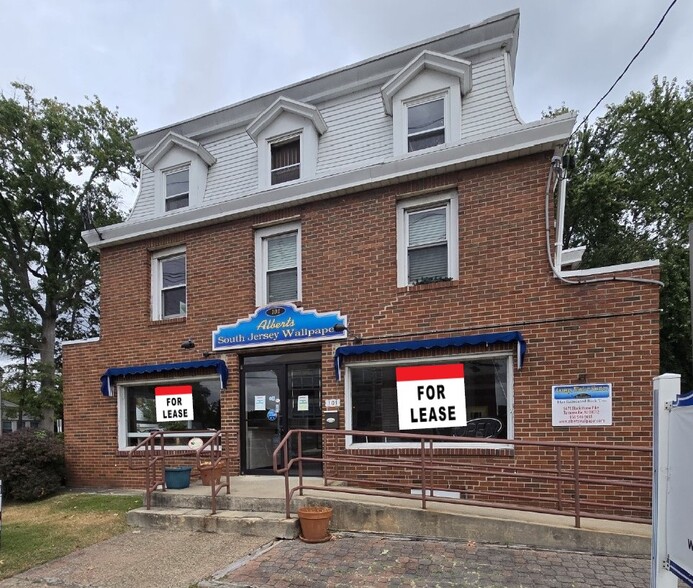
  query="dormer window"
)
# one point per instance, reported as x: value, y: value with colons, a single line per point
x: 425, y: 124
x: 180, y: 167
x: 177, y: 189
x: 425, y: 101
x: 286, y: 160
x: 286, y: 134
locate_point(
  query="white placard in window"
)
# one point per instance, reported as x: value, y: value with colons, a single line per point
x: 302, y: 403
x: 260, y: 403
x: 173, y: 403
x: 431, y: 396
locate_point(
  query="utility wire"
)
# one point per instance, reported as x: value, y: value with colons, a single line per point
x: 618, y: 79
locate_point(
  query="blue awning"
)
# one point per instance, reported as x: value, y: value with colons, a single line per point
x: 466, y: 341
x: 110, y: 373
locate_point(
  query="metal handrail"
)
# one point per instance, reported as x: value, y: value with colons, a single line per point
x: 422, y: 456
x: 154, y: 451
x: 216, y: 450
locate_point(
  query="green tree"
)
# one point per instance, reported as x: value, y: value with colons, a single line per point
x: 58, y: 162
x: 631, y: 198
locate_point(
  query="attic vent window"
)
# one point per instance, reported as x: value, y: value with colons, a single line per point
x: 426, y: 124
x: 177, y: 189
x: 286, y: 160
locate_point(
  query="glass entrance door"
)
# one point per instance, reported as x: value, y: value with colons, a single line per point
x: 280, y: 392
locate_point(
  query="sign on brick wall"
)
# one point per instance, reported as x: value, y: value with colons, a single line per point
x: 431, y: 396
x: 278, y: 324
x: 581, y: 405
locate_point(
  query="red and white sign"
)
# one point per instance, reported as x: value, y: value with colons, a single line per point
x: 431, y: 396
x: 173, y: 403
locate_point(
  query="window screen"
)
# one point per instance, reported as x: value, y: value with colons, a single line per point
x: 426, y: 125
x: 282, y: 269
x: 286, y: 161
x: 427, y: 247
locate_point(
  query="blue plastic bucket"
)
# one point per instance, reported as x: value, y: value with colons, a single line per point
x: 177, y: 477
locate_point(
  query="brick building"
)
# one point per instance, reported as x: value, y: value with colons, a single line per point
x: 404, y: 201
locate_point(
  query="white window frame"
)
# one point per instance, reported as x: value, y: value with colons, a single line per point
x: 508, y: 356
x: 404, y: 207
x: 167, y: 172
x: 278, y: 141
x: 407, y: 104
x: 123, y: 409
x: 157, y: 282
x: 261, y: 236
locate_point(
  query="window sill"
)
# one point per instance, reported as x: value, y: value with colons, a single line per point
x: 168, y: 321
x: 442, y: 285
x: 480, y: 448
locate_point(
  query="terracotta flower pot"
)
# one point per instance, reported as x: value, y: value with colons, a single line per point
x: 315, y: 521
x: 208, y: 474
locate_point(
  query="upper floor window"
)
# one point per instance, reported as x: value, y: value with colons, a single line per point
x: 169, y: 284
x: 427, y: 244
x: 286, y: 160
x: 425, y: 124
x: 177, y: 189
x: 278, y: 264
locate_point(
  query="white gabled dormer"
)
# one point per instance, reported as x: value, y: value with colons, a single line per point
x: 425, y: 101
x: 286, y: 135
x: 180, y: 169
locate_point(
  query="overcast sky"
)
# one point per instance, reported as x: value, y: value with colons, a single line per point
x: 164, y: 61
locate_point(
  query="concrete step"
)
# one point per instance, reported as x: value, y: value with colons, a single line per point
x: 174, y: 499
x: 256, y: 524
x: 396, y: 516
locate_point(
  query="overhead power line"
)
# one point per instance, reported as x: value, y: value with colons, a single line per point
x: 618, y: 79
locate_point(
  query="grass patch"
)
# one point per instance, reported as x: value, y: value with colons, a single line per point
x: 38, y: 532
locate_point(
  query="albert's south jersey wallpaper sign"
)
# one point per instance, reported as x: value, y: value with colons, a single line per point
x: 173, y: 403
x: 431, y: 396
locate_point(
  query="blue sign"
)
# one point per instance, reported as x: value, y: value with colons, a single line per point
x: 279, y: 324
x: 271, y: 415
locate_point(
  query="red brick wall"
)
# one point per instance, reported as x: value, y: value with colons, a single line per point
x: 603, y: 332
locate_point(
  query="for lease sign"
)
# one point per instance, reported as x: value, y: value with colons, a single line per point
x: 173, y: 403
x: 431, y: 396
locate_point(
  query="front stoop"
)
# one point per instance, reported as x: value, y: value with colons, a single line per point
x: 256, y: 524
x: 264, y: 516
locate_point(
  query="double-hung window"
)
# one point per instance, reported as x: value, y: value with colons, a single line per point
x: 425, y: 124
x: 427, y: 240
x: 285, y: 160
x: 169, y: 284
x: 177, y: 189
x: 278, y: 264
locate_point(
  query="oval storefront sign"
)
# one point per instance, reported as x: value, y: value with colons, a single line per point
x: 431, y: 396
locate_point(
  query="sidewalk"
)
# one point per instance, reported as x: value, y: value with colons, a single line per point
x: 171, y: 559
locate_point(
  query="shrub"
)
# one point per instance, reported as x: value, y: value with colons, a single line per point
x: 32, y: 464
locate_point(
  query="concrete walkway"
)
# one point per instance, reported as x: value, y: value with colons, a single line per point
x: 170, y: 559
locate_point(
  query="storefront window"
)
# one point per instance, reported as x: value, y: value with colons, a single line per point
x: 373, y: 399
x: 138, y: 415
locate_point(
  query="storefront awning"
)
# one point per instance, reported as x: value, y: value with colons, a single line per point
x: 466, y: 341
x: 111, y: 373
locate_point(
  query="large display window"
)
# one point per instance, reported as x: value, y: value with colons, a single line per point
x: 371, y: 398
x: 137, y: 411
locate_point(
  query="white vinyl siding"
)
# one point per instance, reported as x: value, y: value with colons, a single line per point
x: 488, y: 107
x: 360, y: 134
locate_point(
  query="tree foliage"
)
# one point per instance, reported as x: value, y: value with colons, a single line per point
x: 631, y: 199
x: 57, y: 161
